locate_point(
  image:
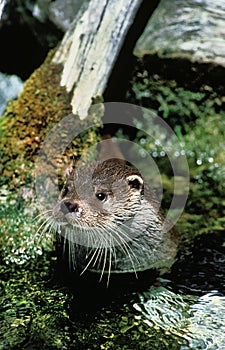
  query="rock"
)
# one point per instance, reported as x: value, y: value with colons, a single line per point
x: 10, y: 87
x: 26, y: 35
x: 189, y: 29
x: 62, y: 13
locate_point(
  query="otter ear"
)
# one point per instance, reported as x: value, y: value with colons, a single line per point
x: 135, y: 182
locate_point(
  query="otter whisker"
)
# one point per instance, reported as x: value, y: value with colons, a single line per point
x: 42, y: 216
x: 94, y: 236
x: 71, y: 247
x: 43, y: 213
x: 96, y: 251
x: 105, y: 246
x: 98, y: 257
x: 126, y: 248
x: 118, y: 237
x: 64, y: 241
x: 110, y: 265
x: 49, y: 227
x: 57, y: 228
x: 44, y: 226
x: 69, y: 239
x: 156, y: 238
x: 104, y: 264
x: 101, y: 252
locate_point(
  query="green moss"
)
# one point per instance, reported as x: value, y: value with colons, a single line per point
x: 27, y: 121
x: 32, y: 315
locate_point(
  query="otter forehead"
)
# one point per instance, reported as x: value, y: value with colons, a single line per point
x: 101, y: 173
x: 108, y: 176
x: 109, y: 171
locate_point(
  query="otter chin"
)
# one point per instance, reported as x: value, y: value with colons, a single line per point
x: 112, y: 221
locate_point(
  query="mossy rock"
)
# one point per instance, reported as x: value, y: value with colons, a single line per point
x: 28, y: 305
x: 28, y: 120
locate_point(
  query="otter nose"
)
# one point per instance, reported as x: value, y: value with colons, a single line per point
x: 69, y: 206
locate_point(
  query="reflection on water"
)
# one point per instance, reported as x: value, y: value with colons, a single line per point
x: 198, y: 321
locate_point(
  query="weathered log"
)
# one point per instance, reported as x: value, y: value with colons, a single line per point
x: 189, y: 29
x: 2, y: 6
x: 90, y: 48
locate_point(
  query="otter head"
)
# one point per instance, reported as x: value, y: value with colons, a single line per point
x: 98, y: 194
x: 108, y: 221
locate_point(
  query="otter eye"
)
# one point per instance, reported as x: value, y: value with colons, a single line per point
x: 101, y: 196
x: 64, y: 191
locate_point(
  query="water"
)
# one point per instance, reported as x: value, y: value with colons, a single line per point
x: 190, y: 305
x: 198, y: 321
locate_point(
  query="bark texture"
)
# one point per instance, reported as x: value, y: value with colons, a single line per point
x: 90, y: 48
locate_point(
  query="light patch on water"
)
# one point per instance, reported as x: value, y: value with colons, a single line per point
x: 199, y: 321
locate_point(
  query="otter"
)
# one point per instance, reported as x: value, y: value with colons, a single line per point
x: 112, y: 221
